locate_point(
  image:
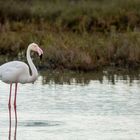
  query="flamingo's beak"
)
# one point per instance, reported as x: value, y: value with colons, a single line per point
x: 41, y: 56
x: 40, y: 52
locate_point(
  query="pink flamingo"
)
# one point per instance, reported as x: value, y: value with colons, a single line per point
x: 19, y: 72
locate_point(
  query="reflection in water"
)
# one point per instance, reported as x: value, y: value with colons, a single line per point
x: 10, y: 121
x: 53, y: 77
x: 45, y: 123
x: 15, y: 133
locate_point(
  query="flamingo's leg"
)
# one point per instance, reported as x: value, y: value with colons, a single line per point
x: 15, y: 99
x: 9, y: 104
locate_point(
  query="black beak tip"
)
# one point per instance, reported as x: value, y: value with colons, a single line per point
x: 41, y: 57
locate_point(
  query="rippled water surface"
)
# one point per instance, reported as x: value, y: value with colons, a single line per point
x: 74, y: 106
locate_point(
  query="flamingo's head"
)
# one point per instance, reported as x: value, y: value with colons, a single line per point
x: 36, y: 48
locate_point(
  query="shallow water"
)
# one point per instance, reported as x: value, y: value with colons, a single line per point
x: 72, y: 106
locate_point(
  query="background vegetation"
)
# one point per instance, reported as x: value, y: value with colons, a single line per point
x: 75, y: 34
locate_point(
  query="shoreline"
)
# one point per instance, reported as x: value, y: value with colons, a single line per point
x: 42, y: 66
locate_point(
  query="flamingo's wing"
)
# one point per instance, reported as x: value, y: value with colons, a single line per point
x: 14, y: 71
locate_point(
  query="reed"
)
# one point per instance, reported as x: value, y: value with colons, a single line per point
x: 75, y: 34
x: 70, y: 50
x: 74, y: 15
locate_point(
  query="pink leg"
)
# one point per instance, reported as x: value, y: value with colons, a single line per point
x: 15, y: 95
x: 9, y: 104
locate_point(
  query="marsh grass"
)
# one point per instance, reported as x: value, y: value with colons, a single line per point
x: 74, y: 15
x: 70, y: 50
x: 77, y: 35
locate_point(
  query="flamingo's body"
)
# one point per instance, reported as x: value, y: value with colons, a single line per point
x: 18, y: 72
x: 15, y: 72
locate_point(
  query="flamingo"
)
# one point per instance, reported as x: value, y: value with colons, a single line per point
x: 15, y: 72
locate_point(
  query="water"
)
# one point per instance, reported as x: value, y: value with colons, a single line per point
x: 72, y: 106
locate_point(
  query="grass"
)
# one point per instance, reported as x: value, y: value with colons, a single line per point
x: 74, y: 15
x: 77, y: 35
x: 74, y: 51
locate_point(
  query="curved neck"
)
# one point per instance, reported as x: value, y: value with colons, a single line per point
x: 34, y: 73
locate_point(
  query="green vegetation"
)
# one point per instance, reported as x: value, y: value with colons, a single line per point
x: 75, y: 34
x: 74, y: 15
